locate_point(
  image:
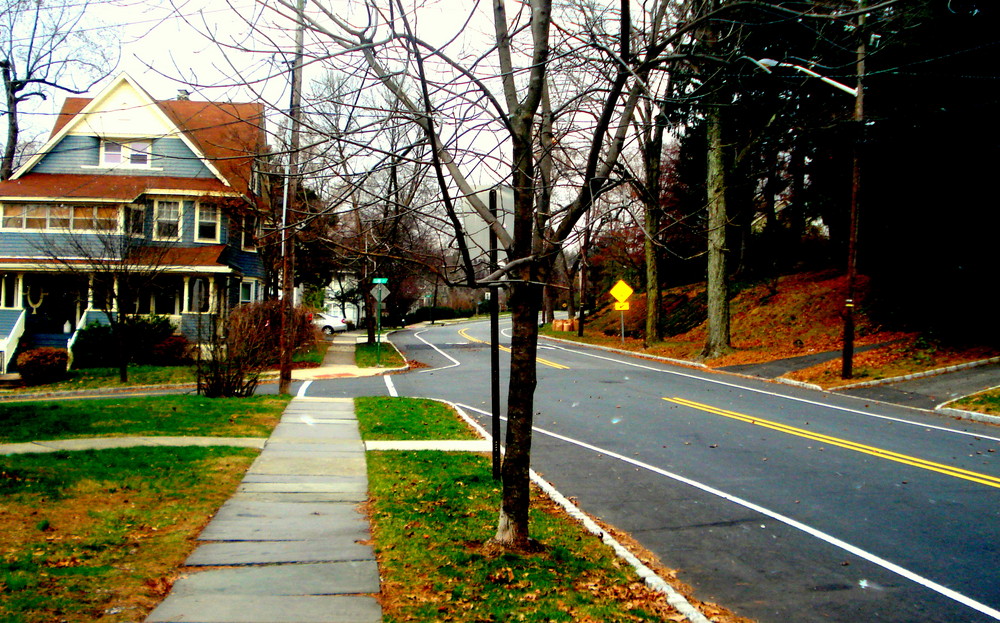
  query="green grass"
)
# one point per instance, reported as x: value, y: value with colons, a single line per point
x: 150, y: 415
x: 365, y: 356
x: 97, y: 535
x: 983, y: 402
x: 432, y: 512
x: 91, y: 378
x: 408, y: 418
x: 314, y: 355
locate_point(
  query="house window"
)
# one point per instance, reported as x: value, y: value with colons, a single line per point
x: 91, y: 218
x: 63, y: 217
x: 248, y: 233
x: 199, y: 295
x: 127, y: 153
x: 208, y: 222
x: 135, y: 220
x: 167, y: 220
x: 112, y: 153
x: 248, y: 291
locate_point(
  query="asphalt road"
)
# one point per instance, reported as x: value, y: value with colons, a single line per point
x: 781, y: 503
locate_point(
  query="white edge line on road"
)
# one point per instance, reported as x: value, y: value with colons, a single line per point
x: 814, y: 403
x: 302, y: 389
x: 652, y: 580
x: 454, y: 361
x: 832, y: 540
x: 389, y: 385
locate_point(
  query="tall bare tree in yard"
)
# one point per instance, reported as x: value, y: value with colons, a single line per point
x: 43, y: 47
x: 493, y: 111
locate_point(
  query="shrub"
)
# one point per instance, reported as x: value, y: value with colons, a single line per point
x: 248, y: 345
x: 175, y: 350
x: 42, y: 365
x: 96, y: 345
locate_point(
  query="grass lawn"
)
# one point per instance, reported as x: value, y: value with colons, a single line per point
x: 98, y: 535
x: 90, y: 378
x: 365, y: 356
x: 150, y: 415
x: 983, y: 402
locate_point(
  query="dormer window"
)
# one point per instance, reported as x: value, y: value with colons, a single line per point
x: 125, y: 153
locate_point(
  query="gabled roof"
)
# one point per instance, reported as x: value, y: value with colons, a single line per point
x: 226, y: 136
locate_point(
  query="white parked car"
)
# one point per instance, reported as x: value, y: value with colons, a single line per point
x: 329, y: 324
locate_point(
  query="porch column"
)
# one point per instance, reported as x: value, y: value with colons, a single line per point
x: 185, y: 295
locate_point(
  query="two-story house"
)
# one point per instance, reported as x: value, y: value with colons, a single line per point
x: 127, y: 184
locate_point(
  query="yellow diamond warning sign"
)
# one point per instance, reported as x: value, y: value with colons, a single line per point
x: 621, y: 292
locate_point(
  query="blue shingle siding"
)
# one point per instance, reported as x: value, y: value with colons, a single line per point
x: 197, y: 327
x: 69, y: 155
x: 249, y: 264
x: 39, y: 245
x: 171, y: 157
x: 177, y: 160
x: 8, y: 318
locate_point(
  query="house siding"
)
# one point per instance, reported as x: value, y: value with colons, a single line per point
x: 171, y: 157
x: 70, y: 155
x: 35, y: 245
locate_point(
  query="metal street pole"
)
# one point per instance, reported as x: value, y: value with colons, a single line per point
x: 847, y: 355
x: 494, y: 343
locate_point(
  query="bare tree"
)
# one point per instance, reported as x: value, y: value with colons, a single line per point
x: 113, y: 272
x: 44, y: 47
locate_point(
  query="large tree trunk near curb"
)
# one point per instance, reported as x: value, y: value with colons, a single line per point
x: 717, y: 341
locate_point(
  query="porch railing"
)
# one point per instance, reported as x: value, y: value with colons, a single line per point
x: 9, y: 342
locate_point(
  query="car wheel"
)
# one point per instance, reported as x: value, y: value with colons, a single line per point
x: 328, y: 330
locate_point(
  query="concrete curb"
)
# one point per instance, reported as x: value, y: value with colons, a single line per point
x: 630, y: 353
x: 919, y: 375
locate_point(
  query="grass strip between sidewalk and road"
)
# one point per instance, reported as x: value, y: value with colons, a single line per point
x: 433, y: 514
x: 117, y: 416
x: 374, y: 355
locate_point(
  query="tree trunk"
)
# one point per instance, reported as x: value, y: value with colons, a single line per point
x: 717, y: 340
x: 10, y: 149
x: 512, y: 528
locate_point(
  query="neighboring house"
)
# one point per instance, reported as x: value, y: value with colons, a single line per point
x: 127, y: 182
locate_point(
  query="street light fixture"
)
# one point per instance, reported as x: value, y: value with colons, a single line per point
x: 767, y: 63
x: 847, y: 359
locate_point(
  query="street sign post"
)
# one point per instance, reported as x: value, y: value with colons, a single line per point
x: 379, y: 292
x: 621, y: 291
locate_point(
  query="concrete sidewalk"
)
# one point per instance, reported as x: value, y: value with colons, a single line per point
x: 339, y: 359
x: 291, y: 545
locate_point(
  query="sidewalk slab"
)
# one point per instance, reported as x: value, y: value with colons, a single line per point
x: 230, y: 553
x: 291, y: 545
x: 324, y: 578
x: 267, y: 609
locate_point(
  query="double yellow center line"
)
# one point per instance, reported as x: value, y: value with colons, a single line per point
x: 947, y: 470
x: 558, y: 366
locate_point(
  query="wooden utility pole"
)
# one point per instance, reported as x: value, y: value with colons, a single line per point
x: 289, y: 221
x: 847, y: 358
